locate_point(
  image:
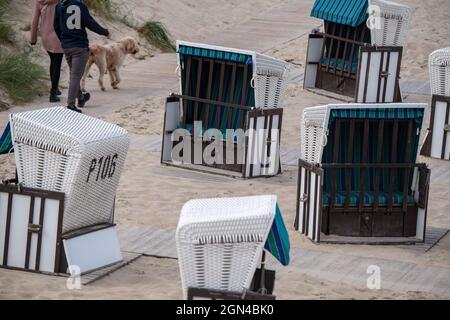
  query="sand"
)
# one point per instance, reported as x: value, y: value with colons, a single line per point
x: 152, y: 195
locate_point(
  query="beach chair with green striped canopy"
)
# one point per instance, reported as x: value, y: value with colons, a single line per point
x: 358, y: 176
x: 229, y: 89
x: 222, y: 241
x: 343, y: 58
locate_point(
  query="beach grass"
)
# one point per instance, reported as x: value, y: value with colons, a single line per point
x: 20, y: 77
x: 103, y: 7
x: 157, y: 35
x: 7, y: 34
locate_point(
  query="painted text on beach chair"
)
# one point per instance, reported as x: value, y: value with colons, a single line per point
x: 227, y: 89
x: 220, y: 241
x: 358, y: 174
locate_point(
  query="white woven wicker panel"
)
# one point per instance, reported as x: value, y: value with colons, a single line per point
x: 394, y: 19
x: 220, y: 240
x: 439, y: 66
x: 312, y: 133
x: 60, y: 150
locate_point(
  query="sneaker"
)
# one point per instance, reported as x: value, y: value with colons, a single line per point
x: 85, y: 96
x: 58, y: 92
x: 73, y: 108
x: 54, y: 96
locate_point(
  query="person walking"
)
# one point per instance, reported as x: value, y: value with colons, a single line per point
x: 72, y: 18
x: 42, y: 20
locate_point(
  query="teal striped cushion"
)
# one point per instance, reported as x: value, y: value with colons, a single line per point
x: 369, y: 198
x: 215, y: 54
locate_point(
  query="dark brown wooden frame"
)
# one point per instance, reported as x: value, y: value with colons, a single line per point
x: 327, y: 74
x: 11, y: 189
x: 248, y: 114
x: 326, y: 212
x: 383, y: 73
x: 426, y: 148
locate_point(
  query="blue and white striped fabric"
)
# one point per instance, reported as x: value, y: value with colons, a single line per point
x: 6, y: 140
x: 348, y: 12
x: 278, y: 243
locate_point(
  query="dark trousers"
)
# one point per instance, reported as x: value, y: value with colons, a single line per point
x: 76, y: 59
x: 55, y: 69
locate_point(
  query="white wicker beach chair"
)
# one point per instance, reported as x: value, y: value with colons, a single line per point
x: 439, y: 66
x: 220, y: 241
x: 394, y: 19
x: 269, y: 74
x: 60, y: 150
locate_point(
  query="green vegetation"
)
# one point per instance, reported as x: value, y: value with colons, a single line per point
x: 156, y: 33
x: 103, y: 7
x: 6, y: 32
x: 20, y: 77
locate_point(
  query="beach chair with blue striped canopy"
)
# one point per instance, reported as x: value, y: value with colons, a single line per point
x: 345, y: 59
x: 221, y: 242
x: 228, y: 89
x: 358, y: 175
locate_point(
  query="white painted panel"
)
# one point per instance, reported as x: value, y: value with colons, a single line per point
x: 420, y: 231
x: 318, y: 206
x: 302, y: 192
x: 438, y: 129
x: 313, y: 55
x: 259, y: 146
x: 93, y: 250
x: 362, y: 77
x: 390, y: 88
x: 374, y: 73
x: 172, y: 121
x: 34, y: 237
x: 274, y: 147
x: 49, y: 236
x: 249, y: 147
x: 447, y: 143
x: 18, y: 231
x: 311, y: 213
x: 3, y: 211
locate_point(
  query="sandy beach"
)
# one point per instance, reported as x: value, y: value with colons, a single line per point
x: 151, y: 194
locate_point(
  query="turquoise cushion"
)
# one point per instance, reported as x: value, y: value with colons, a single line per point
x: 369, y: 198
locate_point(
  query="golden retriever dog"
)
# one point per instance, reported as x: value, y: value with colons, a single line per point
x: 109, y: 58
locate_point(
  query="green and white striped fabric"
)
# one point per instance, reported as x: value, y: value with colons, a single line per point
x: 348, y: 12
x: 278, y: 243
x: 6, y: 140
x: 215, y: 54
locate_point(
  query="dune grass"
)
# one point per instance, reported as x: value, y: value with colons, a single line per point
x: 20, y: 77
x: 7, y: 34
x: 103, y: 7
x: 157, y: 35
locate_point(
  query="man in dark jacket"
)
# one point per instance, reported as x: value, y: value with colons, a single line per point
x: 72, y: 17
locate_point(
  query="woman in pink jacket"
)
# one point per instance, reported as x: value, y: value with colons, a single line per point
x: 43, y: 17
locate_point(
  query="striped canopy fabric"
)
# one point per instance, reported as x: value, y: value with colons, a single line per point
x: 6, y: 140
x: 214, y: 54
x: 348, y: 12
x: 403, y: 115
x: 278, y: 240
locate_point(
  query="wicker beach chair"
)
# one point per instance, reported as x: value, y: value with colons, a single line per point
x: 62, y: 151
x: 220, y: 242
x: 358, y: 175
x: 393, y: 22
x: 228, y: 89
x: 439, y: 66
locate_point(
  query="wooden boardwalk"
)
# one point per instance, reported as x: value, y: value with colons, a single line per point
x: 396, y: 275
